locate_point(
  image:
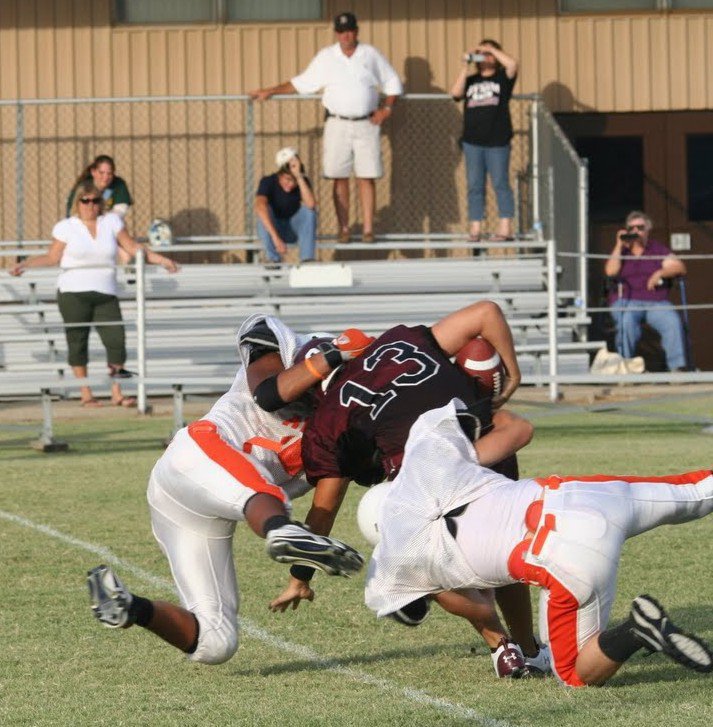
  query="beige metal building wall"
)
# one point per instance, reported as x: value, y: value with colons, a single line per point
x: 72, y: 49
x: 622, y: 62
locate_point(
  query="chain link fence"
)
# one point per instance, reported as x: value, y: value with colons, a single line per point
x: 196, y: 162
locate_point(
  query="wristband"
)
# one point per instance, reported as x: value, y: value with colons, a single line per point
x: 302, y: 572
x: 332, y: 355
x: 313, y: 370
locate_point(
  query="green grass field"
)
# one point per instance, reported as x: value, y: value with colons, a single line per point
x: 330, y: 662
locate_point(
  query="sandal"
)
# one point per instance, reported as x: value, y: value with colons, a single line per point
x: 127, y: 402
x: 91, y: 403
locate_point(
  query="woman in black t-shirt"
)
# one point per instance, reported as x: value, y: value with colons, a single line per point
x: 487, y: 131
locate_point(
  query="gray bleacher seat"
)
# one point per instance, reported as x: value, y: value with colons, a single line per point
x: 192, y: 317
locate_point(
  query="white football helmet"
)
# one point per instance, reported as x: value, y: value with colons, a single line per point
x: 369, y: 511
x: 160, y: 234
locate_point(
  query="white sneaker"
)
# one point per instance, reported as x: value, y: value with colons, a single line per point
x: 109, y: 598
x: 541, y: 663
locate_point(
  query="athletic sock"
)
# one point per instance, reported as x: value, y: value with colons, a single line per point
x: 619, y: 643
x: 140, y: 611
x: 273, y: 522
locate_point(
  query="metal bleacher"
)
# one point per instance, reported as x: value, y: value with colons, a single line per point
x: 191, y: 317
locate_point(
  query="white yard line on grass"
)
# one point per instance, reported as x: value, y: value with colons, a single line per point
x: 452, y: 709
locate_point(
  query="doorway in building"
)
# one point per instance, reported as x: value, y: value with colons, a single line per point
x: 661, y: 163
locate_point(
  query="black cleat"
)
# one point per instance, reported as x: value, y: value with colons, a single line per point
x: 293, y: 543
x: 656, y: 632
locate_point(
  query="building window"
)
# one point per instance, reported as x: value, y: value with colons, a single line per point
x: 699, y: 154
x: 616, y: 175
x: 254, y: 10
x: 215, y: 11
x: 165, y: 11
x: 602, y: 6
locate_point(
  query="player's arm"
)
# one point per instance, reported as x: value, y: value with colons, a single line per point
x: 476, y: 607
x: 485, y: 319
x: 273, y: 386
x: 509, y: 434
x: 328, y: 496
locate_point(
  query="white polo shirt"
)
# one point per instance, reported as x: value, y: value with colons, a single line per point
x: 88, y: 263
x: 351, y: 83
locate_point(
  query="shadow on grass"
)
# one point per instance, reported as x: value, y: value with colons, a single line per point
x: 428, y: 650
x: 85, y: 446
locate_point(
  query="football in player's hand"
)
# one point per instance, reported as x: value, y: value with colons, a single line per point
x: 480, y: 360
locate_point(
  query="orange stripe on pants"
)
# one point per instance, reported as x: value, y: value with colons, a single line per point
x: 205, y: 435
x: 562, y: 612
x: 687, y: 478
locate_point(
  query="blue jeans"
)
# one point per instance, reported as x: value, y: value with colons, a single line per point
x: 661, y: 317
x: 493, y: 160
x: 300, y: 228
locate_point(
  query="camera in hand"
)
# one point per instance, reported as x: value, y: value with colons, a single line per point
x: 474, y: 57
x: 629, y: 236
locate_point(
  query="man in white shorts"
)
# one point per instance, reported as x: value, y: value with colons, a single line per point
x: 447, y: 523
x: 242, y: 461
x: 351, y: 74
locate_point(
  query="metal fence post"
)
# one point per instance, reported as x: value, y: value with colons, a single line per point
x: 583, y: 177
x: 141, y: 329
x: 535, y: 146
x: 249, y: 166
x: 20, y: 173
x: 552, y: 315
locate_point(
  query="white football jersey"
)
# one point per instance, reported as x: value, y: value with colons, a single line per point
x: 247, y: 427
x: 416, y: 554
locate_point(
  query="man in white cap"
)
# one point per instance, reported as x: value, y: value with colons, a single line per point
x: 286, y: 209
x: 351, y: 74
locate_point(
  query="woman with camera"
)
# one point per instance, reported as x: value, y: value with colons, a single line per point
x: 642, y: 267
x: 487, y: 131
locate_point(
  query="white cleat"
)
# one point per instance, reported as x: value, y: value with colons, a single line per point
x: 110, y: 601
x: 540, y: 664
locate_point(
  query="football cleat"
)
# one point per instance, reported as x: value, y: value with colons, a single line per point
x: 655, y: 630
x: 540, y: 664
x: 110, y: 601
x: 294, y: 543
x: 509, y: 661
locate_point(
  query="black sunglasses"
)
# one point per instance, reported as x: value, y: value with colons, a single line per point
x: 90, y: 200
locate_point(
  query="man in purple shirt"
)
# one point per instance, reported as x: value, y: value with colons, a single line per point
x: 641, y: 266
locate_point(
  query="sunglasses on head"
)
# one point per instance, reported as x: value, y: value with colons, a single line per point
x: 90, y: 200
x: 637, y: 227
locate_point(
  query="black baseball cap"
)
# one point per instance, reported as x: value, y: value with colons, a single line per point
x: 345, y: 21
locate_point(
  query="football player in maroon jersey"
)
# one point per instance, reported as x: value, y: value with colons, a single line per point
x: 359, y: 429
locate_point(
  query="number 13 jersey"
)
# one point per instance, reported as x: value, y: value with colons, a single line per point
x: 381, y: 393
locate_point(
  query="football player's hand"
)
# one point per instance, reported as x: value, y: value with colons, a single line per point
x: 352, y: 342
x: 509, y: 388
x: 295, y: 592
